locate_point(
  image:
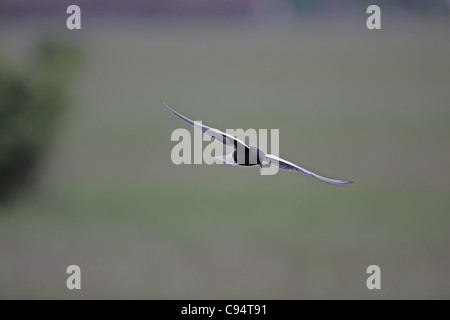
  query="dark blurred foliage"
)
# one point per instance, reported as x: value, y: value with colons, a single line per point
x: 31, y: 103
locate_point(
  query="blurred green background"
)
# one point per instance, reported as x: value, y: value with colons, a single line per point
x: 369, y: 106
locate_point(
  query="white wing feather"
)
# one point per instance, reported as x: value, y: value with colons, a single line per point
x: 286, y: 165
x: 223, y: 137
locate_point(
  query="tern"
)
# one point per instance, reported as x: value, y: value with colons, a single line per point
x: 245, y: 155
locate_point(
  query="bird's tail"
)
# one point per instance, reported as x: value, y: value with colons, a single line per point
x: 228, y: 159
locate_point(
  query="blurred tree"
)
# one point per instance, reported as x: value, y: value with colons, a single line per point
x: 30, y: 105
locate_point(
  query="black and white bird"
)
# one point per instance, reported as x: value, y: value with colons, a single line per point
x: 245, y: 155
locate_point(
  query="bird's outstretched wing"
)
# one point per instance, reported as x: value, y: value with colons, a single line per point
x: 286, y: 165
x: 223, y: 137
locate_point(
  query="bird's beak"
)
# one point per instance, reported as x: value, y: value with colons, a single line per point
x: 261, y: 165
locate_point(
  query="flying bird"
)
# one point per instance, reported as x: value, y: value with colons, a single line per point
x: 245, y: 155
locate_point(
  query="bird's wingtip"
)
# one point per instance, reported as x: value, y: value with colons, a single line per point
x: 340, y: 182
x: 167, y: 106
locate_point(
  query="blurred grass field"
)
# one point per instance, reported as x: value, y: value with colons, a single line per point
x: 373, y: 107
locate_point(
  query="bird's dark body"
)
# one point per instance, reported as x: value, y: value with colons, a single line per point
x: 243, y: 158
